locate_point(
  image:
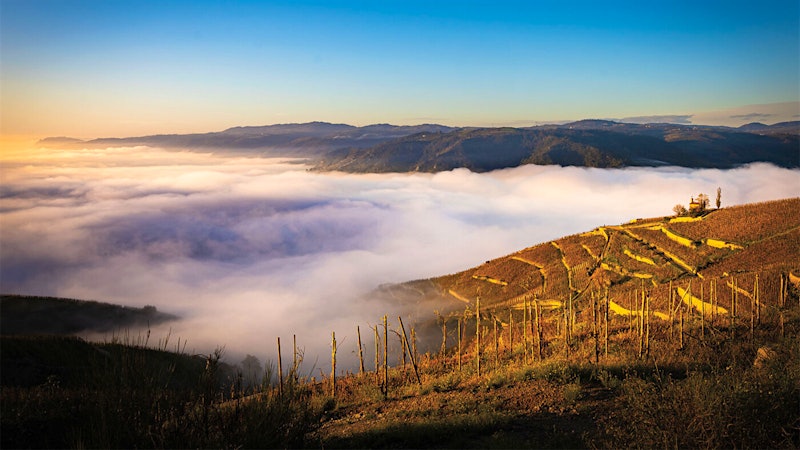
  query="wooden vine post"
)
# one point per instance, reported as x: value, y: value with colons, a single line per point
x: 647, y: 329
x: 781, y: 304
x: 280, y: 369
x: 402, y: 351
x: 333, y: 364
x: 733, y: 309
x: 532, y: 325
x: 538, y: 320
x: 525, y: 329
x: 377, y: 357
x: 680, y: 330
x: 605, y: 314
x: 758, y: 302
x: 702, y: 313
x: 360, y: 352
x: 631, y: 309
x: 295, y: 368
x: 641, y: 324
x: 713, y: 287
x: 671, y: 311
x: 478, y: 335
x: 595, y: 331
x: 385, y: 357
x: 444, y: 336
x: 415, y: 356
x: 496, y: 345
x: 407, y: 347
x: 570, y: 322
x: 752, y: 317
x: 459, y: 345
x: 510, y: 333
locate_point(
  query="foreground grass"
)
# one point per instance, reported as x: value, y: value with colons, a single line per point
x: 117, y: 396
x: 716, y: 392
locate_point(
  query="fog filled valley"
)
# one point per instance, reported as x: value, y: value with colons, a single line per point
x: 246, y: 249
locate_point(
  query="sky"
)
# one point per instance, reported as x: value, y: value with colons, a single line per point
x: 125, y: 68
x: 247, y: 249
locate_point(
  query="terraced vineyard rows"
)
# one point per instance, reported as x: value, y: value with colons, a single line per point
x: 647, y: 256
x: 743, y: 224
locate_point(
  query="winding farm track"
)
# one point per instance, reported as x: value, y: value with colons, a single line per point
x: 566, y: 266
x: 589, y: 251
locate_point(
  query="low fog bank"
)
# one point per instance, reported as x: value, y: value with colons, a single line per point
x: 248, y: 249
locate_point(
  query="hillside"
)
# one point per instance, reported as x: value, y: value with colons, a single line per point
x: 25, y: 315
x: 589, y: 143
x: 713, y: 252
x: 658, y: 332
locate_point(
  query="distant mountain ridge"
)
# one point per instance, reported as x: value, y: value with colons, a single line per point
x: 432, y: 148
x: 304, y: 139
x: 588, y: 143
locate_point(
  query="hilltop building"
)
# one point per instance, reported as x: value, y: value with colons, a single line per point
x: 695, y: 206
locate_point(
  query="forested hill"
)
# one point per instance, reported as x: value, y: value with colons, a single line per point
x: 590, y: 143
x: 307, y: 140
x: 27, y: 315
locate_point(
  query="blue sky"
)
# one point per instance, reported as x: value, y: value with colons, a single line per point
x: 113, y: 68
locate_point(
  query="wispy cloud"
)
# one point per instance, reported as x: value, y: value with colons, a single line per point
x: 752, y: 116
x: 682, y: 119
x: 246, y: 249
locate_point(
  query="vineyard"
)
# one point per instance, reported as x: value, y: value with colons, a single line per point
x: 727, y: 244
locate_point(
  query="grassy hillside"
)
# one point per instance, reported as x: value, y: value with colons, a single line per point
x: 662, y: 332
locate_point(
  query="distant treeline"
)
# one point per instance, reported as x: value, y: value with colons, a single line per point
x: 61, y: 316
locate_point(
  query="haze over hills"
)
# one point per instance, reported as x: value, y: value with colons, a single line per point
x: 433, y: 148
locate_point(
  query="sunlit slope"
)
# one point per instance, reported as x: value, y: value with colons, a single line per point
x: 732, y: 252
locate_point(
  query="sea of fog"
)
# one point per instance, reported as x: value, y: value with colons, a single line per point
x: 247, y: 249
